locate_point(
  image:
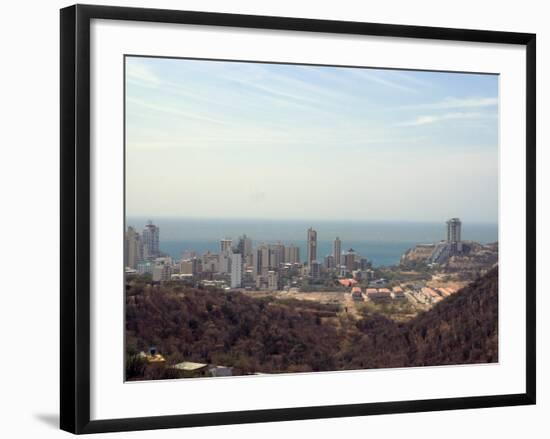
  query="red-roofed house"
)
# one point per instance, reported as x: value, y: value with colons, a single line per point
x: 347, y: 282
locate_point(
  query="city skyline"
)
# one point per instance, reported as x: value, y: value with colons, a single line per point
x: 246, y: 263
x: 248, y: 140
x: 145, y: 247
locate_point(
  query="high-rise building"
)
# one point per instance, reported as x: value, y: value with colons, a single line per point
x: 329, y: 262
x: 266, y: 258
x: 311, y: 246
x: 351, y: 260
x: 276, y: 255
x: 292, y: 254
x: 210, y: 262
x: 150, y: 237
x: 454, y: 231
x: 272, y: 281
x: 162, y: 273
x: 133, y: 248
x: 190, y: 266
x: 244, y: 246
x: 236, y: 270
x: 256, y: 263
x: 225, y: 245
x: 224, y: 262
x: 261, y: 260
x: 337, y: 251
x: 315, y: 269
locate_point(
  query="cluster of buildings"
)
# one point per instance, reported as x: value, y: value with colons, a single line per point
x: 423, y: 295
x: 142, y: 253
x: 241, y: 264
x: 378, y: 295
x: 338, y: 262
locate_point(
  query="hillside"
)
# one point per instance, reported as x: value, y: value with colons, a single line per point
x: 270, y: 336
x: 461, y: 329
x: 474, y: 259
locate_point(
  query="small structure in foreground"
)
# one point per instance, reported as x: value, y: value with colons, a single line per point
x: 189, y: 369
x: 220, y: 371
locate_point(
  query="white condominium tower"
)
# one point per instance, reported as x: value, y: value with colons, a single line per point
x: 236, y: 270
x: 454, y: 232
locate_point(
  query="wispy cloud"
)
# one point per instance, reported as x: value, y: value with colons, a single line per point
x: 374, y: 77
x: 412, y: 77
x: 431, y: 119
x: 173, y: 111
x: 289, y: 90
x: 141, y: 74
x: 453, y: 103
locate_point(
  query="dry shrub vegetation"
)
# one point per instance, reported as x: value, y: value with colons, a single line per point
x: 275, y: 336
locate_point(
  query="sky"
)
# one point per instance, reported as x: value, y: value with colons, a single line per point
x: 217, y: 139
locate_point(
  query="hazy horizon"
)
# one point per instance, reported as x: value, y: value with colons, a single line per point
x: 213, y: 229
x: 234, y: 140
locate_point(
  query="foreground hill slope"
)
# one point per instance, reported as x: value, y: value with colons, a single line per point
x: 461, y: 329
x: 270, y: 336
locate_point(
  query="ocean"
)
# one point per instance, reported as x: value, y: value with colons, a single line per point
x: 382, y: 243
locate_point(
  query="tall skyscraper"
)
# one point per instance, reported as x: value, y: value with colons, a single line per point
x: 236, y: 270
x: 276, y: 255
x: 337, y: 252
x: 454, y: 232
x: 292, y: 254
x: 351, y: 260
x: 225, y: 245
x: 329, y: 262
x: 261, y: 260
x: 245, y: 246
x: 311, y: 246
x: 315, y: 269
x: 133, y: 248
x: 224, y: 262
x: 150, y: 237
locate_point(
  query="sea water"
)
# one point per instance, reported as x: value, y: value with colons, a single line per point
x: 382, y: 243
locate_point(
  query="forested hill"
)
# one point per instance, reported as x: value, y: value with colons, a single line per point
x: 461, y: 329
x: 270, y: 336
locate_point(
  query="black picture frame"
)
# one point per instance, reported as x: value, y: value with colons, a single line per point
x: 75, y: 217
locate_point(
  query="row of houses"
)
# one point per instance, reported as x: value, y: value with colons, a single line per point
x: 378, y: 294
x: 425, y: 295
x: 435, y: 295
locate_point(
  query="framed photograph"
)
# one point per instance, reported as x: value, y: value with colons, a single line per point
x: 273, y: 218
